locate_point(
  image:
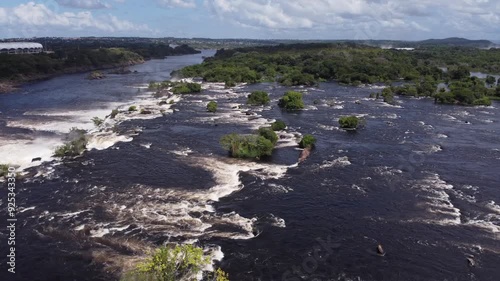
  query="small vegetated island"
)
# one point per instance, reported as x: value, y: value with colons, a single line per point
x: 420, y: 70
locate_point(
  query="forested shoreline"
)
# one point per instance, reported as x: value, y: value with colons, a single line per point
x: 18, y: 69
x: 347, y: 63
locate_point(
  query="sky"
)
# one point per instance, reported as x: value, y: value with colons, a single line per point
x: 256, y: 19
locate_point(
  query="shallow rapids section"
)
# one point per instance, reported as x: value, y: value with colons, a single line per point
x: 418, y: 179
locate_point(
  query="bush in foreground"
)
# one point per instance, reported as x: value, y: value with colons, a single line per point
x: 348, y: 122
x: 258, y: 98
x: 186, y: 88
x: 132, y: 108
x: 291, y: 101
x: 278, y: 125
x: 247, y: 146
x: 308, y: 141
x: 212, y: 106
x: 75, y: 146
x: 182, y: 262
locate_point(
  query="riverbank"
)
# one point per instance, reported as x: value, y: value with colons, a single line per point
x: 7, y: 86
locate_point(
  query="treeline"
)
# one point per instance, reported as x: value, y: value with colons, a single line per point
x: 421, y: 70
x: 307, y: 64
x: 20, y: 67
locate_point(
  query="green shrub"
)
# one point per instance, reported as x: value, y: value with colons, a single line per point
x: 482, y: 101
x: 247, y: 146
x: 307, y: 141
x: 182, y: 262
x: 348, y: 122
x: 212, y: 106
x: 278, y: 125
x: 258, y: 98
x: 269, y: 134
x: 132, y: 108
x: 4, y: 170
x: 75, y: 146
x: 97, y: 121
x: 186, y: 88
x: 229, y: 84
x: 113, y: 114
x: 291, y: 101
x: 220, y: 275
x: 171, y: 102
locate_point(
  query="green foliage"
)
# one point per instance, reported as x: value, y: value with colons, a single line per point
x: 307, y: 141
x: 132, y: 108
x: 269, y: 134
x: 220, y: 275
x: 349, y: 122
x: 76, y: 145
x: 186, y: 88
x: 20, y: 67
x: 490, y: 80
x: 278, y: 125
x: 113, y: 114
x: 229, y: 84
x: 97, y: 121
x: 468, y: 91
x: 460, y: 72
x: 182, y: 262
x: 258, y: 98
x: 212, y: 106
x: 247, y: 146
x: 291, y: 101
x: 4, y: 170
x: 388, y: 96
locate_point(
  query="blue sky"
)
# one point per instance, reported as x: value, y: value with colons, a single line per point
x: 262, y: 19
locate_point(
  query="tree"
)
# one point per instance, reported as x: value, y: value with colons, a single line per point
x: 459, y: 72
x: 212, y: 106
x: 258, y: 98
x: 247, y: 146
x: 171, y: 264
x: 291, y: 101
x: 349, y: 122
x: 269, y: 134
x: 278, y: 125
x: 308, y: 141
x: 490, y: 80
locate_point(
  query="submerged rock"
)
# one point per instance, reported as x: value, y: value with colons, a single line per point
x: 304, y: 154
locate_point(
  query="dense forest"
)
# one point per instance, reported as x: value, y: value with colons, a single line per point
x: 69, y: 57
x: 353, y: 64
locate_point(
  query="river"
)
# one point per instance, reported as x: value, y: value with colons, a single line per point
x: 420, y: 178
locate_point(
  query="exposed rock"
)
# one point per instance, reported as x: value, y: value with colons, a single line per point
x: 304, y: 154
x: 36, y: 159
x: 96, y: 75
x: 471, y: 261
x: 144, y: 111
x: 380, y: 250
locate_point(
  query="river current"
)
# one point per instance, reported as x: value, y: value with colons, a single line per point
x: 420, y: 178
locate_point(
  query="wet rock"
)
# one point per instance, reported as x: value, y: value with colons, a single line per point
x: 146, y: 111
x: 36, y: 159
x: 380, y: 250
x: 357, y: 102
x: 304, y: 154
x: 470, y: 261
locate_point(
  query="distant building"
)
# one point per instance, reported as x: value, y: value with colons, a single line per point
x: 20, y: 48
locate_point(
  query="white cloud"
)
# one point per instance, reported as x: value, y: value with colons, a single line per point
x: 30, y: 19
x: 84, y: 4
x: 177, y: 3
x: 362, y: 19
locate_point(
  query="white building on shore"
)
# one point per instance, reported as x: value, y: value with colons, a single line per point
x: 20, y: 48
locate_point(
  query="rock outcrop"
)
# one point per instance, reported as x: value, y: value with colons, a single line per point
x: 304, y: 154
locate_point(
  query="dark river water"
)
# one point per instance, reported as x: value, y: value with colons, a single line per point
x: 420, y: 179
